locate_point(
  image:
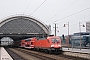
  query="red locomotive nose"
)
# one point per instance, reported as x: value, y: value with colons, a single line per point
x: 57, y: 45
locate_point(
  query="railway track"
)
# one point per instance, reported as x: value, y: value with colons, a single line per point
x: 14, y: 55
x: 34, y: 55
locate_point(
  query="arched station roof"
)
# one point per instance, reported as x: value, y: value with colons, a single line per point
x: 22, y: 25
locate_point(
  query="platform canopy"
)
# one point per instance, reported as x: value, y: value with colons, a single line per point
x: 22, y: 25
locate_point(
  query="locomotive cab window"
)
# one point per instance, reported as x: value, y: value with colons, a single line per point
x: 55, y: 40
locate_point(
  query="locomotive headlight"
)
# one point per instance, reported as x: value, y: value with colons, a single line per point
x: 59, y: 45
x: 52, y: 45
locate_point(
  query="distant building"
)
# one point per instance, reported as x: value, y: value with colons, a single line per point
x: 88, y: 26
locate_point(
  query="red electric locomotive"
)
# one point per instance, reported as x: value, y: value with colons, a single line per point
x: 50, y: 44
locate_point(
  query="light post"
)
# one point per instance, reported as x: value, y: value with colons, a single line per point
x: 80, y: 24
x: 68, y: 33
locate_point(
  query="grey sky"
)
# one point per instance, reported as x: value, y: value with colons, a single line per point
x: 50, y: 12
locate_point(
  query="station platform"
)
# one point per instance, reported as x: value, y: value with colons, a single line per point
x: 83, y: 53
x: 76, y: 50
x: 4, y: 55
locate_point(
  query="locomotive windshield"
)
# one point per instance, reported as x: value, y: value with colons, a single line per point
x: 55, y: 40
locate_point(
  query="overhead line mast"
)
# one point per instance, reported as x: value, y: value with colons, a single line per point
x: 55, y: 28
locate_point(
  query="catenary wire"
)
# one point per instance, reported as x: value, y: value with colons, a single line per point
x: 38, y: 7
x: 64, y: 9
x: 73, y: 14
x: 60, y: 28
x: 27, y: 6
